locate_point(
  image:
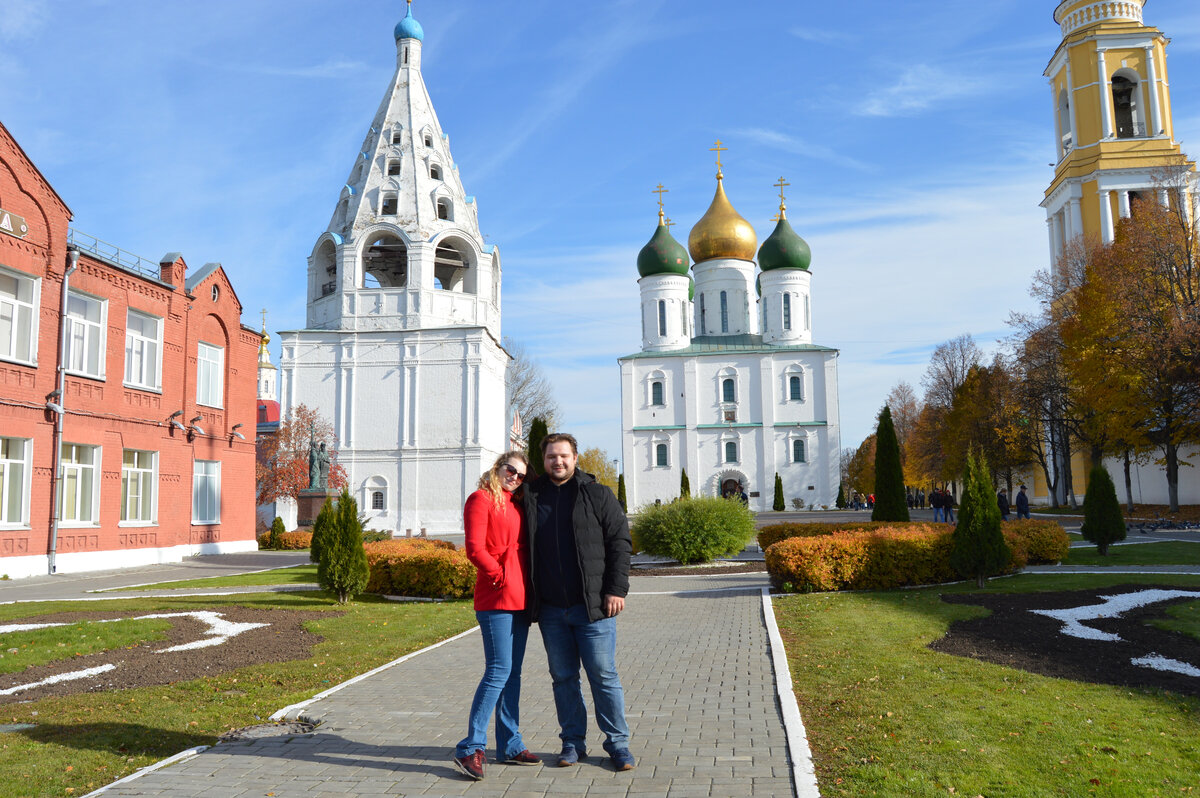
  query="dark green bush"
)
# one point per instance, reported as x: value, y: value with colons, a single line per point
x: 342, y: 566
x: 1102, y: 520
x: 979, y: 548
x: 274, y: 537
x: 321, y: 525
x: 693, y: 530
x: 376, y: 535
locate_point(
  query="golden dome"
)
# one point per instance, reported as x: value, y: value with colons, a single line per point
x: 722, y: 232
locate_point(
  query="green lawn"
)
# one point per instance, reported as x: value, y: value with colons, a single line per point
x: 886, y: 716
x: 84, y: 741
x: 1165, y: 553
x: 293, y: 575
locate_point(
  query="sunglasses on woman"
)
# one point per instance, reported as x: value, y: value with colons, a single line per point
x: 512, y: 472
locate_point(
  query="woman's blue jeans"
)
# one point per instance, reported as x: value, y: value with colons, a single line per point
x: 504, y: 635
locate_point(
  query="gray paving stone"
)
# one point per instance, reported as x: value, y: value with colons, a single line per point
x: 702, y: 710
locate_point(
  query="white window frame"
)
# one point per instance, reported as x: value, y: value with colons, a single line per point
x: 788, y: 374
x: 792, y: 449
x: 11, y: 482
x: 136, y: 346
x: 12, y: 305
x: 725, y: 444
x: 206, y: 491
x: 74, y: 490
x: 210, y: 359
x: 85, y: 333
x: 146, y: 478
x: 666, y: 452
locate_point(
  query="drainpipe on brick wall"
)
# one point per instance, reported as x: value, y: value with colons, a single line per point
x: 56, y: 446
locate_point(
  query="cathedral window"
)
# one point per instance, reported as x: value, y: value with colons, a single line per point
x: 795, y: 388
x: 1125, y: 106
x: 389, y: 205
x: 656, y: 394
x: 798, y: 450
x: 453, y: 266
x: 377, y: 500
x: 724, y: 312
x: 397, y: 137
x: 703, y: 321
x: 393, y: 167
x: 428, y: 140
x: 385, y: 263
x: 807, y: 319
x: 787, y: 311
x: 660, y: 455
x: 662, y: 318
x: 1064, y: 122
x: 683, y: 318
x: 728, y: 393
x: 435, y: 171
x: 443, y: 209
x: 731, y: 452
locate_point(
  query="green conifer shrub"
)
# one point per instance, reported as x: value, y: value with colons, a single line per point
x: 840, y: 502
x: 274, y: 541
x: 685, y: 487
x: 979, y: 548
x: 621, y: 492
x: 537, y: 431
x: 1102, y: 520
x: 693, y: 530
x: 342, y: 567
x: 891, y: 504
x: 319, y: 528
x: 777, y: 505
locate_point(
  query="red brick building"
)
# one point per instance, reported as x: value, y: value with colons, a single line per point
x: 136, y: 385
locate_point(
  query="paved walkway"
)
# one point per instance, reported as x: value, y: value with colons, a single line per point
x: 702, y: 700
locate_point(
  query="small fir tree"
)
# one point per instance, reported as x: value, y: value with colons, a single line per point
x: 685, y: 487
x: 537, y: 431
x: 777, y: 505
x: 1102, y: 520
x: 978, y: 549
x: 890, y: 502
x: 840, y: 503
x: 621, y: 492
x: 275, y: 537
x: 342, y: 568
x: 320, y: 529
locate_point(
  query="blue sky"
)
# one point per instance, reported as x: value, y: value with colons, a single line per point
x: 917, y: 138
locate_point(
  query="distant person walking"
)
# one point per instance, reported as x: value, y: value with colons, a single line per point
x: 935, y: 501
x: 1002, y: 501
x: 1022, y: 504
x: 948, y: 506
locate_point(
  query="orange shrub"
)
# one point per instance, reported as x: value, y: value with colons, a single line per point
x: 884, y: 557
x: 425, y: 567
x: 293, y: 541
x: 773, y: 533
x: 1035, y: 542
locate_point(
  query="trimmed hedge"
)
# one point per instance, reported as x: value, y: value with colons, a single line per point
x: 693, y: 530
x: 420, y: 567
x: 293, y: 541
x: 773, y: 533
x: 820, y: 557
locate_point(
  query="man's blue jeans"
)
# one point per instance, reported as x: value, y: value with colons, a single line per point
x: 572, y: 640
x: 937, y: 515
x: 504, y: 635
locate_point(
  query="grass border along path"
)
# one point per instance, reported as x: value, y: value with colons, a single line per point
x: 886, y: 716
x: 84, y: 741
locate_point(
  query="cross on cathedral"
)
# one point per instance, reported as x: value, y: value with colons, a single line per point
x: 668, y: 223
x: 659, y: 190
x: 264, y: 315
x: 718, y: 149
x: 781, y: 185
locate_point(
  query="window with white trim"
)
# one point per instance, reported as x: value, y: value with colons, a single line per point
x: 18, y: 319
x: 14, y: 481
x: 377, y: 500
x: 660, y: 455
x: 210, y: 373
x: 728, y: 390
x: 206, y: 492
x: 795, y: 388
x: 662, y: 317
x: 703, y: 321
x: 724, y: 312
x: 138, y: 495
x: 731, y: 453
x: 798, y: 450
x: 787, y: 311
x: 80, y: 483
x: 85, y: 335
x: 657, y: 397
x: 143, y: 350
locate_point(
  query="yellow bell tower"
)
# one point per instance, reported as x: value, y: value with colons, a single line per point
x: 1113, y: 130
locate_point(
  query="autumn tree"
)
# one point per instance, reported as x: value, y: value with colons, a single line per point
x: 948, y: 368
x: 528, y: 388
x: 860, y: 471
x: 281, y: 463
x: 595, y: 461
x: 906, y: 413
x: 890, y: 500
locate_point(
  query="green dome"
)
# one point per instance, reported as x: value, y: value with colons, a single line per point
x: 662, y: 254
x: 784, y: 249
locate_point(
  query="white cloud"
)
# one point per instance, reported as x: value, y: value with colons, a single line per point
x: 21, y: 19
x: 917, y: 89
x: 819, y: 36
x: 798, y: 146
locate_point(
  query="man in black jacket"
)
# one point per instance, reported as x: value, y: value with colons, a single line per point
x: 579, y: 549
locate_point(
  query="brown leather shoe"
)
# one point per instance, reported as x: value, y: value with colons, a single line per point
x: 471, y: 764
x: 523, y: 758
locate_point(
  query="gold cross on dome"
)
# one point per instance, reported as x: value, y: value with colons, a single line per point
x: 781, y: 185
x: 668, y: 223
x: 775, y: 218
x: 659, y: 190
x: 718, y: 149
x: 264, y: 315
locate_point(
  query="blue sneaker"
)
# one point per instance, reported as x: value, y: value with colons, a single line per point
x: 570, y: 756
x: 622, y: 759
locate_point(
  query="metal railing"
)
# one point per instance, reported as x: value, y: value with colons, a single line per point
x: 112, y: 254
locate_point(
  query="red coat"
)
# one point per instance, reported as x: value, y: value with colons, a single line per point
x: 498, y: 544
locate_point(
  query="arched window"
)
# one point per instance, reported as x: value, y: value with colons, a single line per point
x: 795, y: 388
x: 787, y: 311
x: 376, y: 493
x: 454, y: 266
x: 724, y: 312
x: 385, y: 263
x: 1125, y: 107
x: 397, y: 137
x: 443, y: 209
x: 703, y: 321
x: 728, y: 387
x: 435, y: 171
x: 731, y: 452
x: 660, y: 455
x: 389, y: 205
x: 798, y: 450
x: 656, y: 394
x: 428, y: 140
x: 662, y: 317
x: 377, y: 500
x: 1064, y: 122
x: 807, y: 318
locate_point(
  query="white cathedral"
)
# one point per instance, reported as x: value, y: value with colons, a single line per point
x: 729, y: 385
x: 401, y: 346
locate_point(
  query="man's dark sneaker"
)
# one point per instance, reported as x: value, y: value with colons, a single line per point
x: 471, y: 764
x: 523, y: 758
x: 570, y: 756
x: 622, y: 759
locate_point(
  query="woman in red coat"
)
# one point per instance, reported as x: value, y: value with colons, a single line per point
x: 498, y: 544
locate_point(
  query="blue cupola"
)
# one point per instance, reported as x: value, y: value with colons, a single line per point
x: 409, y: 28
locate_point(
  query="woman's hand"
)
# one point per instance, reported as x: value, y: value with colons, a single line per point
x: 497, y: 579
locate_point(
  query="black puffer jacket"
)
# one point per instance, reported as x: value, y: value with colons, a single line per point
x: 601, y: 540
